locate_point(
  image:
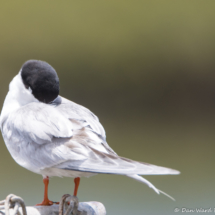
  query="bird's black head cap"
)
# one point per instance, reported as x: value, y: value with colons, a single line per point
x: 42, y: 79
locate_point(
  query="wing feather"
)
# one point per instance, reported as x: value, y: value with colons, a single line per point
x: 66, y: 136
x: 39, y: 123
x: 85, y: 117
x: 101, y: 162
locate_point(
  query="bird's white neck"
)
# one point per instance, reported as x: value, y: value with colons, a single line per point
x: 17, y: 96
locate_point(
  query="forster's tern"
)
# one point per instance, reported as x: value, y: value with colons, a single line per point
x: 52, y: 136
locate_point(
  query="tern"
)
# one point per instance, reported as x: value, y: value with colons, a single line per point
x: 52, y: 136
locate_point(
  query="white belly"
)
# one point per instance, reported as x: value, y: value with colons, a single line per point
x: 65, y: 173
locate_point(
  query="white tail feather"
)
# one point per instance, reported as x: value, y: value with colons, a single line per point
x: 167, y: 195
x: 143, y: 180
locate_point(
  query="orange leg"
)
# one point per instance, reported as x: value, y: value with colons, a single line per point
x: 45, y: 201
x: 77, y: 182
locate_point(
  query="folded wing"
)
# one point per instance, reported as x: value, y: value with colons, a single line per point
x: 67, y: 136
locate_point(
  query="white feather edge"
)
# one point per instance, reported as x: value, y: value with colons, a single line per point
x: 143, y: 180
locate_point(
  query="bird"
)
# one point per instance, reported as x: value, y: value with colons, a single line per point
x: 53, y: 136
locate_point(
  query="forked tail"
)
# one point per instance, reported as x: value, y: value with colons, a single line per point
x: 143, y: 180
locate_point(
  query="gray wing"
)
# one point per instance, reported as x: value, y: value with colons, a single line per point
x: 67, y: 136
x: 100, y: 162
x: 90, y: 135
x: 36, y: 134
x: 39, y: 123
x: 83, y: 118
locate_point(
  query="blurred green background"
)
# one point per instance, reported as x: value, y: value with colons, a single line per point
x: 147, y: 70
